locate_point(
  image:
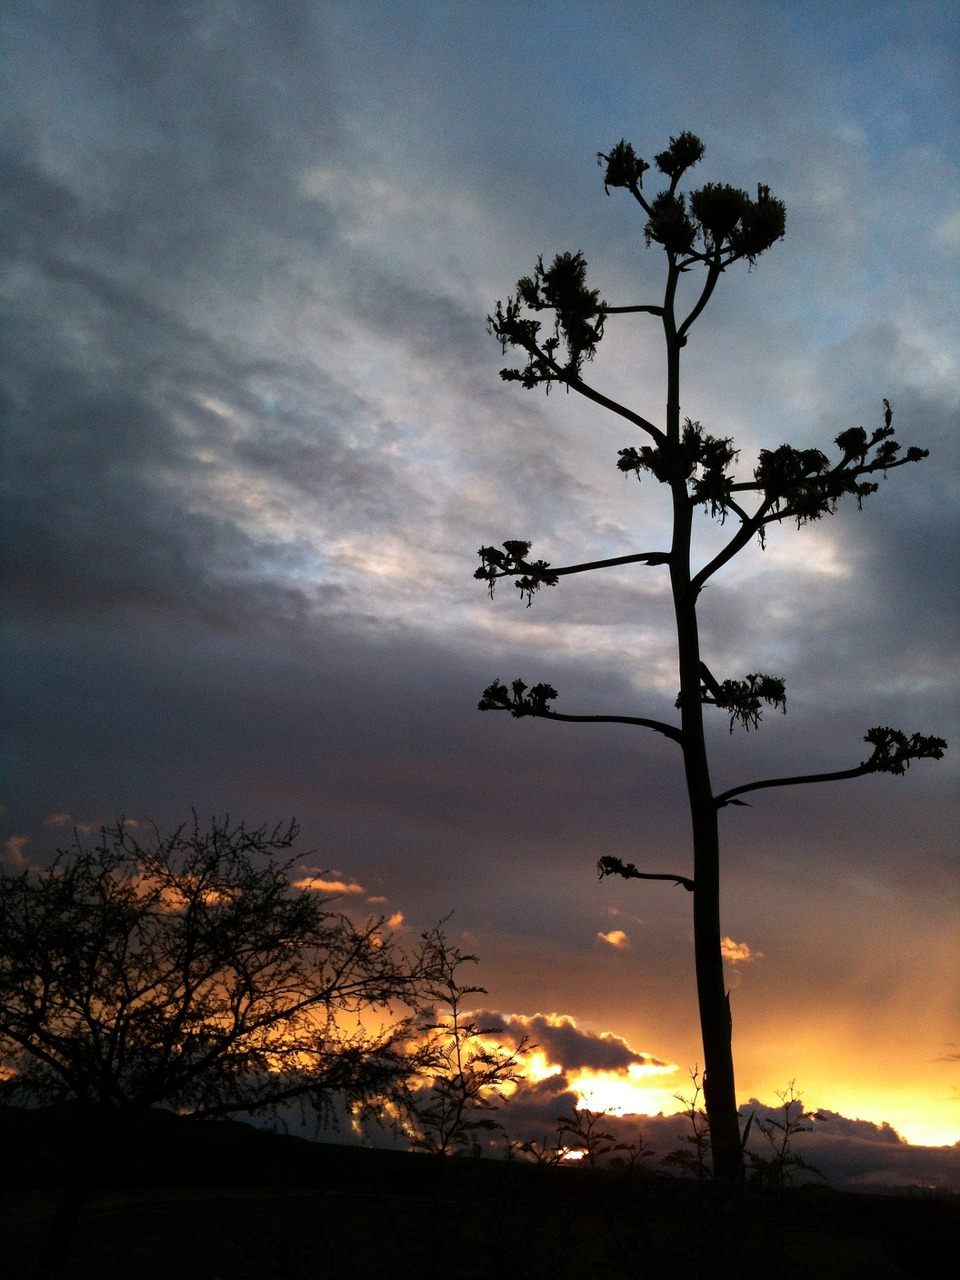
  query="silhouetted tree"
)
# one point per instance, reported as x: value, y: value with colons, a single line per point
x: 585, y: 1139
x: 461, y: 1072
x: 780, y: 1133
x: 705, y: 231
x: 190, y: 973
x: 692, y: 1157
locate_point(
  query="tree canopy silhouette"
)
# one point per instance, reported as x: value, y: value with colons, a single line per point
x: 190, y: 972
x: 705, y: 230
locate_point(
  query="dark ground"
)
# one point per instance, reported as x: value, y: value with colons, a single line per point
x: 224, y: 1201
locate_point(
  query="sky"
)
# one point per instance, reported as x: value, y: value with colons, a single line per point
x: 254, y: 434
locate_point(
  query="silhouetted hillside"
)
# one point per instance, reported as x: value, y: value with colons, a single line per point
x: 225, y: 1198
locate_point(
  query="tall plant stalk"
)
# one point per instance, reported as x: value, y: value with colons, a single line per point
x: 705, y: 230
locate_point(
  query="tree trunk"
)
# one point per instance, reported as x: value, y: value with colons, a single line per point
x: 96, y: 1140
x: 719, y: 1089
x: 63, y: 1225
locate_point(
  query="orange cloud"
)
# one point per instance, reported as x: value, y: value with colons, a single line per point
x: 318, y: 885
x: 615, y: 938
x: 13, y: 849
x: 57, y: 820
x: 738, y: 952
x: 395, y: 921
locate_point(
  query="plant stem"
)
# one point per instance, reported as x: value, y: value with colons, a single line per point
x: 719, y: 1088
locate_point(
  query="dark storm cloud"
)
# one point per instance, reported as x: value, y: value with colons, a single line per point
x: 137, y: 284
x: 532, y: 1113
x: 171, y: 154
x: 194, y: 123
x: 106, y: 396
x: 432, y: 325
x: 851, y: 1155
x: 109, y: 272
x: 373, y: 732
x: 566, y: 1045
x: 829, y: 1122
x: 878, y: 1162
x: 916, y: 550
x: 101, y: 507
x: 867, y: 602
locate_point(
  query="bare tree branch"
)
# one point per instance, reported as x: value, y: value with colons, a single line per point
x: 609, y: 866
x: 519, y: 702
x: 893, y: 752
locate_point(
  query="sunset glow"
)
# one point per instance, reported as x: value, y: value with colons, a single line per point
x: 635, y: 1094
x: 651, y: 1090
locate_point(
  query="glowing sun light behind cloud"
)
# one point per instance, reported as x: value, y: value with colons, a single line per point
x: 630, y: 1093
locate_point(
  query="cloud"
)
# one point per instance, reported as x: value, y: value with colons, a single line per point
x: 615, y: 938
x: 851, y: 1155
x: 316, y: 884
x: 830, y: 1122
x: 57, y: 820
x: 738, y: 952
x: 532, y: 1112
x: 564, y: 1044
x: 13, y: 850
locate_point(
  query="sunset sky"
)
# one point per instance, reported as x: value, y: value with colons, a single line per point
x: 254, y: 434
